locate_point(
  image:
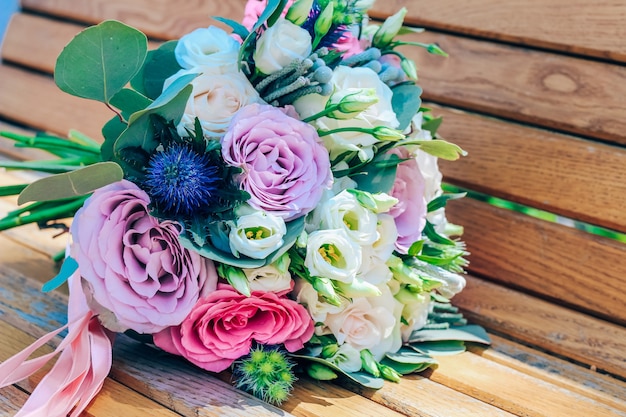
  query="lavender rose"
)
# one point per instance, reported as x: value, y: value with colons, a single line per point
x: 285, y: 166
x: 410, y: 211
x: 136, y: 273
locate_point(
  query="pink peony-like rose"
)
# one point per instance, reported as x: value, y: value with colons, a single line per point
x: 410, y: 211
x: 136, y: 274
x: 221, y: 327
x: 285, y: 165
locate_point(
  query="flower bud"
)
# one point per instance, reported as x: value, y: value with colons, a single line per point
x: 357, y: 288
x: 389, y: 29
x: 389, y: 373
x: 369, y: 363
x: 378, y: 203
x: 402, y: 272
x: 325, y: 288
x: 330, y: 350
x: 324, y: 21
x: 299, y: 12
x: 320, y: 372
x: 353, y: 104
x: 408, y: 66
x: 387, y: 134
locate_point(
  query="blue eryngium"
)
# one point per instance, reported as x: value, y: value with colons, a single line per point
x: 180, y: 180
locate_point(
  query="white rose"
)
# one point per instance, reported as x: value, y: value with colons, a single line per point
x: 281, y: 44
x: 208, y: 47
x: 347, y: 358
x: 369, y: 323
x: 268, y: 278
x: 379, y: 114
x: 214, y: 100
x: 344, y: 211
x: 306, y: 295
x: 332, y: 254
x: 257, y: 235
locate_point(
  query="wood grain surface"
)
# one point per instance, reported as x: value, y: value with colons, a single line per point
x: 542, y: 324
x: 558, y: 262
x: 576, y: 26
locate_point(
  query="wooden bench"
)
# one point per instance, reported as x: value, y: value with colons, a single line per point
x: 535, y: 91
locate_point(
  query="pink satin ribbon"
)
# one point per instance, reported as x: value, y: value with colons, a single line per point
x: 79, y: 373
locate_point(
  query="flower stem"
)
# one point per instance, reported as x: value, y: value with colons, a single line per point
x: 67, y: 209
x: 344, y: 129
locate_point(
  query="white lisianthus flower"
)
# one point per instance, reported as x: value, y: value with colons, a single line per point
x: 210, y: 48
x: 333, y: 254
x: 214, y: 100
x: 373, y: 265
x: 257, y: 235
x: 281, y: 44
x: 306, y: 295
x: 373, y: 269
x: 369, y: 323
x: 348, y: 79
x: 344, y: 211
x: 347, y: 358
x: 415, y: 311
x: 268, y: 278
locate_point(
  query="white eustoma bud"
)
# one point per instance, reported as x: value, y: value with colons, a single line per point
x: 389, y: 28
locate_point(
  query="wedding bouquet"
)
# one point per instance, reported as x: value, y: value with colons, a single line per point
x: 266, y: 201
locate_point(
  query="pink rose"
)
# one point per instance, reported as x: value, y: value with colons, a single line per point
x: 410, y: 211
x: 221, y: 327
x: 285, y: 165
x: 136, y: 273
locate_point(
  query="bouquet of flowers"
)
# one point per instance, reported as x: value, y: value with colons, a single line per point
x: 266, y: 201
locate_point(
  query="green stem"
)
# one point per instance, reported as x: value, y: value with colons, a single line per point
x: 61, y: 211
x: 345, y: 129
x: 326, y: 111
x: 11, y: 189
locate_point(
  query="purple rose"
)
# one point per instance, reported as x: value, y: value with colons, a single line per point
x: 410, y: 211
x: 136, y: 274
x: 285, y: 165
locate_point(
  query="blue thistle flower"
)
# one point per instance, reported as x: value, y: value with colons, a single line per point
x: 181, y: 181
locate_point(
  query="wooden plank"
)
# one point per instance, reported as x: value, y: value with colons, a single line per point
x: 35, y: 100
x: 11, y: 399
x: 556, y: 261
x: 503, y: 387
x: 556, y: 329
x: 561, y: 174
x: 161, y: 19
x: 114, y: 399
x: 577, y: 26
x: 197, y: 392
x: 559, y: 92
x: 575, y: 378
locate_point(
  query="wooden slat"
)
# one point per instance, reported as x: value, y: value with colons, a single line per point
x: 572, y: 177
x: 11, y: 399
x: 35, y: 100
x: 578, y: 26
x: 543, y: 324
x: 161, y: 19
x: 575, y: 378
x: 503, y: 387
x: 559, y: 262
x: 559, y: 92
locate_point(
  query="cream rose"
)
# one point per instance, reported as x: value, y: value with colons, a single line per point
x: 214, y: 100
x: 268, y: 278
x: 332, y: 254
x: 257, y: 235
x: 350, y: 79
x: 281, y: 44
x: 210, y: 48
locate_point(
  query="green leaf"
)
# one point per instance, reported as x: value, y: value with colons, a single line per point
x: 407, y: 361
x: 416, y: 248
x: 160, y: 65
x: 406, y: 103
x: 379, y: 175
x: 111, y: 131
x: 72, y: 184
x: 100, y: 60
x: 238, y: 28
x: 469, y: 333
x: 432, y: 125
x: 441, y: 149
x: 408, y: 368
x: 236, y: 278
x: 67, y: 269
x: 431, y: 233
x: 129, y: 101
x: 361, y: 378
x: 439, y: 202
x: 442, y: 348
x: 271, y: 7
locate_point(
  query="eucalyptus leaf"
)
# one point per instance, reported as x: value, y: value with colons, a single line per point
x: 160, y: 64
x: 406, y: 103
x: 111, y: 131
x: 408, y: 368
x: 208, y: 251
x: 82, y: 69
x: 361, y: 378
x: 67, y: 269
x: 72, y: 184
x: 238, y: 28
x: 442, y: 348
x: 129, y: 101
x: 469, y: 333
x: 379, y: 175
x: 408, y: 355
